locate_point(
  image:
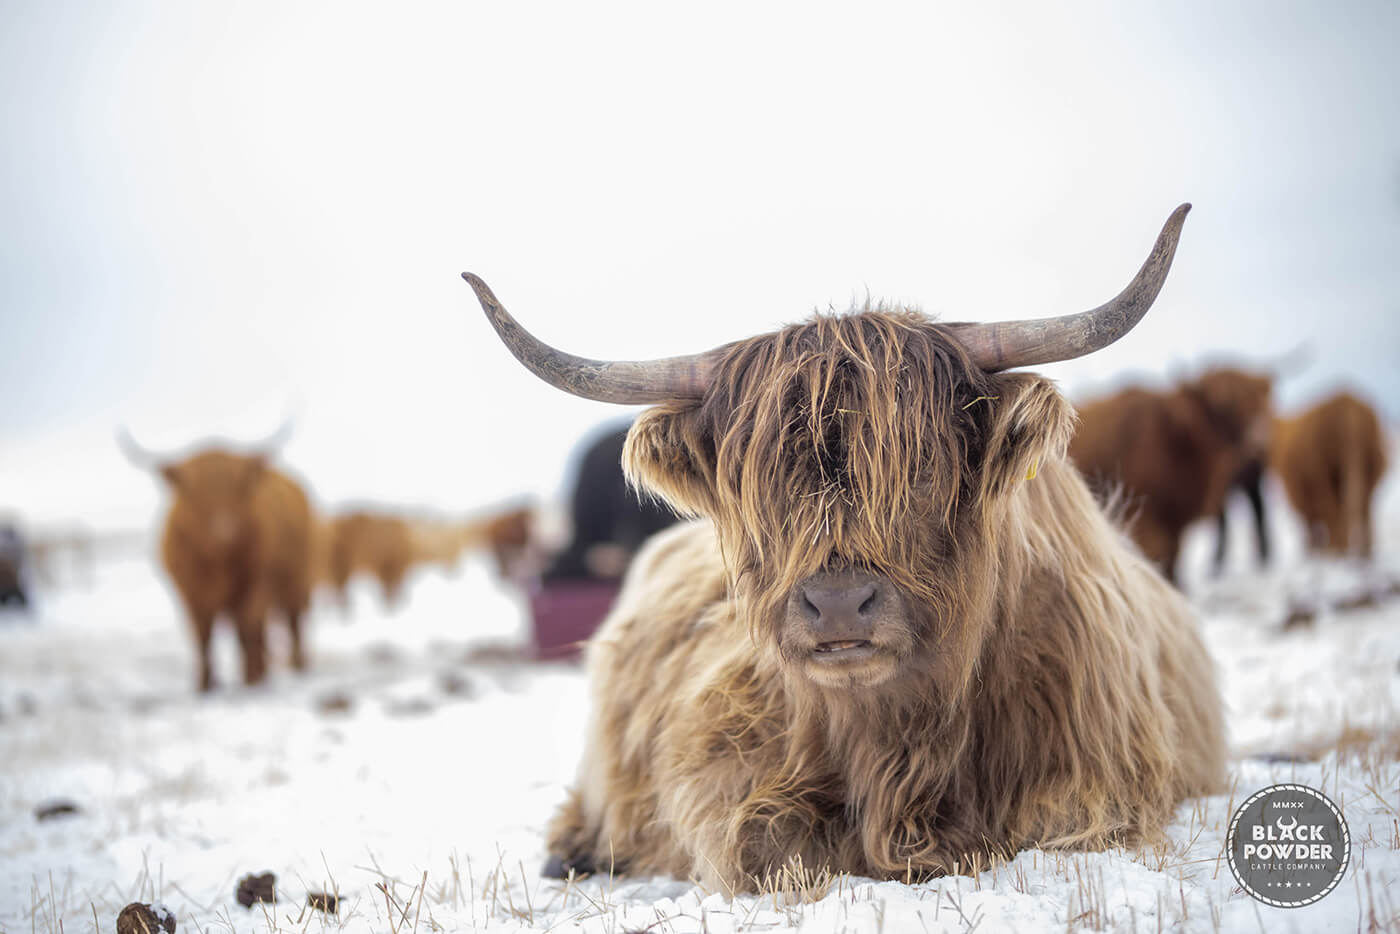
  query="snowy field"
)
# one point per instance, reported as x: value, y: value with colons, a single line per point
x: 412, y: 772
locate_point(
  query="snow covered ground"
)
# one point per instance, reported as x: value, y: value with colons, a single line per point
x: 413, y: 769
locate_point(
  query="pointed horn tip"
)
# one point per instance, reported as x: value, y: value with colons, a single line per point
x: 1171, y: 230
x: 483, y: 291
x: 1178, y: 217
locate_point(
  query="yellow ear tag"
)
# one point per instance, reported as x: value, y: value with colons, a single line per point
x: 1035, y: 466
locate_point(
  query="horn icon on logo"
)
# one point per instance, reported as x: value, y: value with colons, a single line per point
x: 1283, y: 826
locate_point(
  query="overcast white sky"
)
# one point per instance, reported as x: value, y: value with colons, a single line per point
x: 213, y: 215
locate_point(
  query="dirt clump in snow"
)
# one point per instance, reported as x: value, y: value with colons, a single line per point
x: 259, y: 888
x: 59, y: 807
x: 140, y: 918
x: 323, y: 901
x: 335, y: 702
x: 455, y: 685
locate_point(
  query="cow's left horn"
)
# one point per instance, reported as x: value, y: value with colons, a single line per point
x: 274, y: 442
x: 139, y: 456
x: 1006, y: 344
x: 629, y: 382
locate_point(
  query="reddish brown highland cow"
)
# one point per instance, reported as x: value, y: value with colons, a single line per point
x: 1171, y: 456
x: 1331, y: 458
x: 905, y: 638
x: 237, y: 541
x: 388, y: 546
x: 364, y: 542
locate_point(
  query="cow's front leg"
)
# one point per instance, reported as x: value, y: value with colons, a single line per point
x: 251, y: 621
x: 777, y: 842
x: 571, y: 842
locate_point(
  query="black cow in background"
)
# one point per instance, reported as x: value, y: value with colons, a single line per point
x: 12, y: 568
x: 610, y: 521
x: 1250, y: 482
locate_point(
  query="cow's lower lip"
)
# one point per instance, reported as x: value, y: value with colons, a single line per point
x: 844, y: 650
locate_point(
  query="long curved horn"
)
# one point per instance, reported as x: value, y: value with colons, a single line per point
x: 630, y: 382
x: 273, y: 442
x: 1005, y: 344
x: 139, y: 456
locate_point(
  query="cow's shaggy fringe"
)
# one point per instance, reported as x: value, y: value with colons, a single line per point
x: 1050, y: 688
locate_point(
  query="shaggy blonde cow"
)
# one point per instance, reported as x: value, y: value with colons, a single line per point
x: 904, y: 635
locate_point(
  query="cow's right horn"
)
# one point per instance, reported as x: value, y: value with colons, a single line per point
x: 1002, y: 345
x: 629, y: 382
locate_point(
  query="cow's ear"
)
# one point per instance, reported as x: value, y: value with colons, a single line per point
x: 667, y: 455
x: 1031, y: 423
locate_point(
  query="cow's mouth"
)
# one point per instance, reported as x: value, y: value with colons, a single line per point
x: 844, y: 650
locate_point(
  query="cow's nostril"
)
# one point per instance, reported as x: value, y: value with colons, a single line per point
x: 869, y: 603
x: 809, y: 607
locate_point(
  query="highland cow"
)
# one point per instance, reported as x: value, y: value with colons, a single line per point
x: 237, y: 541
x: 905, y: 638
x: 365, y: 542
x: 1170, y: 457
x: 388, y: 546
x: 439, y: 541
x: 509, y: 537
x: 505, y: 532
x: 1331, y: 459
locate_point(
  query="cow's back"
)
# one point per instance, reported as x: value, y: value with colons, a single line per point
x: 1129, y: 442
x: 1103, y: 425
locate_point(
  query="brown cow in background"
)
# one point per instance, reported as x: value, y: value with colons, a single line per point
x: 509, y: 536
x: 388, y: 545
x: 364, y: 542
x: 237, y: 540
x: 1330, y: 459
x: 1169, y: 457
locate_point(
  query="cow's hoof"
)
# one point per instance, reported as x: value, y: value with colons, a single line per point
x: 558, y: 867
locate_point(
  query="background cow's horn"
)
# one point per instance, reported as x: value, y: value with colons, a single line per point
x: 630, y: 382
x: 139, y: 456
x: 274, y: 442
x: 1006, y: 344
